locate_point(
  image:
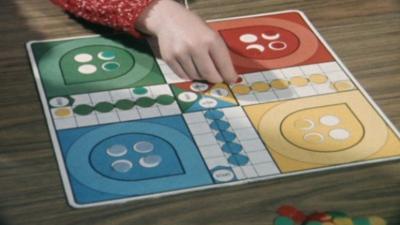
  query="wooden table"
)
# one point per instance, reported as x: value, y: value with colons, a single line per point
x: 365, y: 34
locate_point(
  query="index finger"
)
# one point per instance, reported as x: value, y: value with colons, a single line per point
x: 223, y: 62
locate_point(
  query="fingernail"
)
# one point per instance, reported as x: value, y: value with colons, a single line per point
x: 238, y: 80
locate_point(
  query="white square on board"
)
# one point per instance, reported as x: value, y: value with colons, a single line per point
x: 252, y: 145
x: 211, y: 151
x: 336, y: 76
x: 304, y: 91
x: 126, y: 115
x: 167, y: 110
x: 149, y: 112
x: 233, y: 112
x: 246, y: 133
x: 65, y: 123
x: 158, y: 90
x: 120, y: 94
x: 196, y: 117
x: 249, y: 171
x: 88, y: 120
x: 292, y: 72
x: 287, y: 93
x: 253, y: 77
x: 199, y: 128
x: 271, y: 75
x: 324, y: 88
x: 266, y: 169
x: 239, y: 173
x: 259, y: 157
x: 205, y: 139
x: 264, y: 97
x: 311, y: 69
x: 214, y: 162
x: 81, y: 99
x: 247, y: 99
x: 330, y: 67
x: 239, y: 123
x: 103, y: 96
x: 109, y: 117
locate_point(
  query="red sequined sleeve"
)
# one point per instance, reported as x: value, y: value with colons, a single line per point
x: 118, y: 14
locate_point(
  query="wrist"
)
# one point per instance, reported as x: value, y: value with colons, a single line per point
x: 155, y: 16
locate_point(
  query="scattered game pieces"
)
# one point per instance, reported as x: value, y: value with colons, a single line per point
x: 337, y: 214
x: 287, y: 214
x: 292, y: 213
x: 282, y: 220
x: 323, y: 217
x: 287, y: 210
x: 124, y: 126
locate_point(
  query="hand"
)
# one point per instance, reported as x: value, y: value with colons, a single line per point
x: 192, y: 49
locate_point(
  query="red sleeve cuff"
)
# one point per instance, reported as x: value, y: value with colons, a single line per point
x: 118, y: 14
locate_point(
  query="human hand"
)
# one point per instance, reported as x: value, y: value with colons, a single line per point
x: 192, y: 49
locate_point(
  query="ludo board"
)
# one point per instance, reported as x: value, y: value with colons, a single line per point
x: 125, y: 127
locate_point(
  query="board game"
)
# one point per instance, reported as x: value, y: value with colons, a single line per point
x: 125, y: 127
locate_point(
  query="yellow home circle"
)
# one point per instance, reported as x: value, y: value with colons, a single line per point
x: 327, y: 135
x: 260, y: 86
x: 373, y: 132
x: 318, y: 78
x: 241, y: 89
x: 299, y: 81
x: 63, y: 112
x: 280, y: 84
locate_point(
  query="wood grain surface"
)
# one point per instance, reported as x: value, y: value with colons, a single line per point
x: 364, y: 33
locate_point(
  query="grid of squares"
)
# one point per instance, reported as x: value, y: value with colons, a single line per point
x: 293, y: 82
x: 73, y: 120
x: 315, y: 79
x: 260, y: 162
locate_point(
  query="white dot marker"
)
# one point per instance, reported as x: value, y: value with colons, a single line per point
x: 117, y: 150
x: 83, y: 58
x: 329, y: 120
x: 223, y: 175
x: 208, y: 102
x: 87, y: 69
x: 304, y: 124
x: 198, y: 87
x: 187, y: 96
x: 150, y: 161
x: 270, y: 37
x: 143, y: 147
x: 59, y: 102
x: 248, y: 38
x: 107, y: 55
x: 339, y: 134
x: 219, y: 92
x: 277, y: 45
x: 314, y: 138
x: 257, y: 47
x: 122, y: 166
